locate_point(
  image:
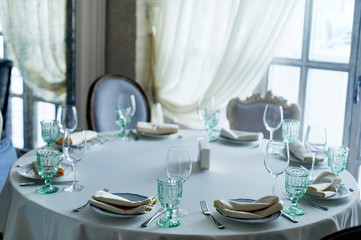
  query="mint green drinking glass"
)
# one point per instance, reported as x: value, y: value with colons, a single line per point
x: 169, y: 194
x: 48, y: 165
x: 290, y: 130
x: 337, y: 159
x: 296, y: 182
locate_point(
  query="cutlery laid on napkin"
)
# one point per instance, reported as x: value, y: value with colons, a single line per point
x: 260, y: 208
x: 299, y: 151
x: 157, y: 128
x: 120, y: 205
x: 241, y: 135
x: 325, y: 185
x: 77, y: 137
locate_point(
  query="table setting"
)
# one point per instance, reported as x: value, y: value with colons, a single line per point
x: 178, y: 187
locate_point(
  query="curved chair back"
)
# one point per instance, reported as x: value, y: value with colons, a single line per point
x: 247, y: 115
x: 5, y: 77
x: 102, y: 99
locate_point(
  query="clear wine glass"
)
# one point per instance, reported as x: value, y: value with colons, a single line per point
x: 74, y: 148
x: 272, y: 118
x: 210, y: 115
x: 315, y: 143
x: 49, y: 131
x: 67, y: 118
x: 48, y: 165
x: 179, y: 164
x: 276, y: 159
x: 124, y: 111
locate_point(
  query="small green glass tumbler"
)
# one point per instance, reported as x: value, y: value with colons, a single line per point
x: 169, y: 194
x: 48, y: 165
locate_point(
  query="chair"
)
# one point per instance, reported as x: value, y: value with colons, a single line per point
x: 348, y: 233
x: 7, y: 158
x: 102, y: 100
x: 247, y: 115
x: 5, y: 77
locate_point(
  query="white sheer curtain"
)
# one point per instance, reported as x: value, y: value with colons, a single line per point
x: 217, y: 48
x: 34, y: 32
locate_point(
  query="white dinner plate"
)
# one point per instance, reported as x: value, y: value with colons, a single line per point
x: 342, y: 192
x: 238, y: 141
x: 129, y: 196
x: 259, y: 220
x: 148, y: 135
x: 28, y: 170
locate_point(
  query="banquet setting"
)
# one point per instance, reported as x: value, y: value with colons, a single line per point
x: 132, y: 124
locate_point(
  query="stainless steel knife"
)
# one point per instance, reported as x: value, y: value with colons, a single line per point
x: 24, y: 184
x: 158, y: 213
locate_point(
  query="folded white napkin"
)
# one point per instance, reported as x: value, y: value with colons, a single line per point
x: 325, y: 185
x: 260, y: 208
x: 120, y: 205
x: 77, y: 137
x: 157, y: 128
x: 241, y: 135
x: 300, y: 152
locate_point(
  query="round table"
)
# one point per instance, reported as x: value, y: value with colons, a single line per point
x: 236, y: 171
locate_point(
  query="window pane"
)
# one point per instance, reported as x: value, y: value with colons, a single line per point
x: 326, y: 105
x: 17, y: 125
x: 331, y: 30
x: 284, y: 82
x: 1, y: 47
x: 291, y: 42
x: 16, y: 86
x: 45, y: 111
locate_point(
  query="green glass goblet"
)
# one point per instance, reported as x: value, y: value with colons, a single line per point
x: 49, y: 131
x: 290, y: 130
x: 337, y: 159
x: 48, y: 165
x: 296, y: 186
x: 211, y: 119
x: 169, y: 194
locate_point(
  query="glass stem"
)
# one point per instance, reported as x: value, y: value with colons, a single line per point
x: 294, y: 203
x: 312, y: 166
x: 274, y: 185
x: 270, y: 135
x: 74, y: 167
x: 169, y: 213
x: 47, y: 182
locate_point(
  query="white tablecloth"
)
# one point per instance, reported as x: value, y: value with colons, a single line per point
x: 133, y: 167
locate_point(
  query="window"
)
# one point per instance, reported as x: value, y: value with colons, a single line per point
x: 313, y: 65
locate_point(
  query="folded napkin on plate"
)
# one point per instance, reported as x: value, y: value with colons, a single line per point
x: 260, y: 208
x: 76, y: 138
x: 120, y: 205
x: 157, y: 128
x: 36, y: 170
x: 241, y: 135
x: 325, y: 185
x: 300, y: 152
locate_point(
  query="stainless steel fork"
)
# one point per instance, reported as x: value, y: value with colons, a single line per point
x: 86, y: 204
x: 206, y: 211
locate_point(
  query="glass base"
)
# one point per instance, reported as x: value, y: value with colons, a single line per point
x: 47, y: 189
x: 295, y: 211
x: 168, y: 222
x: 74, y: 188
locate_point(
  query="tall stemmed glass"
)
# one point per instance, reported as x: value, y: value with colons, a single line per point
x: 124, y: 111
x: 276, y: 159
x: 272, y: 118
x: 74, y: 148
x: 49, y: 131
x: 67, y: 118
x: 210, y: 115
x: 179, y: 164
x: 315, y: 143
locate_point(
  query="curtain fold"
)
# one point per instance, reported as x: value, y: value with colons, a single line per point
x: 35, y: 44
x: 219, y: 48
